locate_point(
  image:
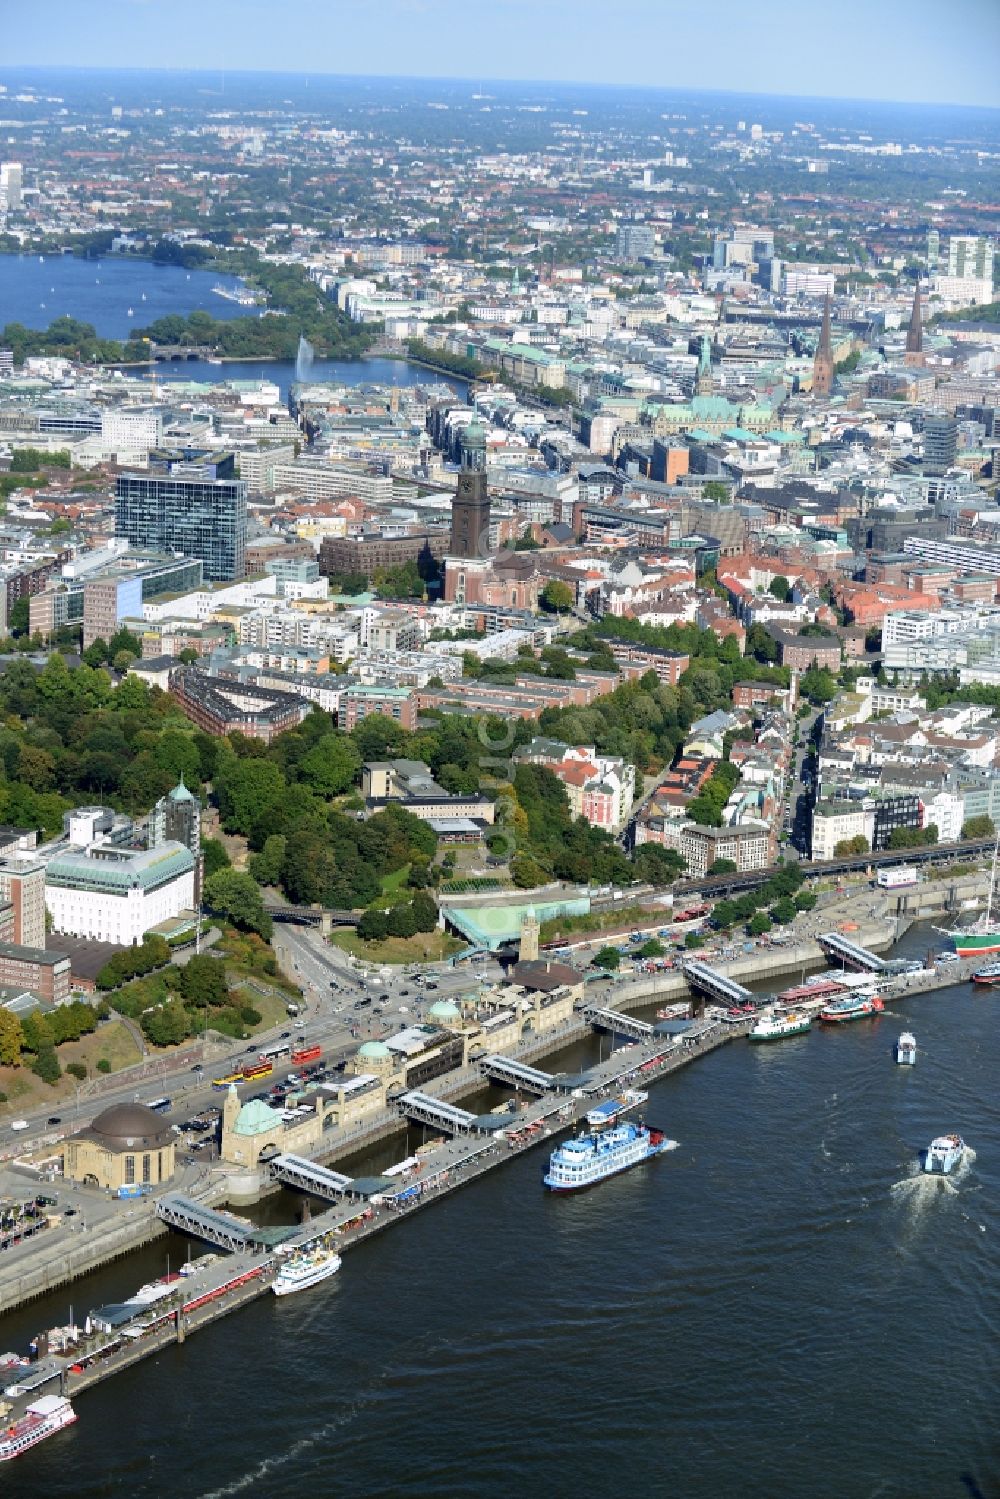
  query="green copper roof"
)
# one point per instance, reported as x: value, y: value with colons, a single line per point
x: 116, y: 871
x: 255, y: 1118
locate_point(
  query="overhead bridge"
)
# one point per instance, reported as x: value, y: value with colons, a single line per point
x: 516, y: 1074
x: 619, y: 1025
x: 716, y: 986
x: 311, y: 915
x: 425, y: 1109
x: 849, y: 954
x: 192, y: 1218
x: 298, y: 1171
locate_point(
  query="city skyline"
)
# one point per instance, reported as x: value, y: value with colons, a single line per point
x: 551, y: 42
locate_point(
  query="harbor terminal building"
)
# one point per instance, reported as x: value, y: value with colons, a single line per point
x: 126, y: 1146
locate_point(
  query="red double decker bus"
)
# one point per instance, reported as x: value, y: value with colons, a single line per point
x: 307, y: 1054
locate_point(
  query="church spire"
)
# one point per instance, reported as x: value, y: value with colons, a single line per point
x: 823, y: 363
x: 915, y: 332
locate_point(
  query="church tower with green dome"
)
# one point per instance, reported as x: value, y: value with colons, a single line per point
x: 470, y: 510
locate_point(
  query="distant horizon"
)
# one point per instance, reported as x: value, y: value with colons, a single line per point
x: 892, y: 52
x: 479, y: 82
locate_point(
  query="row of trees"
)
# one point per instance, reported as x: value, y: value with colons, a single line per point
x: 133, y: 962
x: 403, y: 920
x: 778, y: 899
x: 39, y: 1035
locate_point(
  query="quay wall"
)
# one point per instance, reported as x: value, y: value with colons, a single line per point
x: 57, y: 1265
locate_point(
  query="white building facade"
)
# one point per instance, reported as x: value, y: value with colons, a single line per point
x: 117, y: 895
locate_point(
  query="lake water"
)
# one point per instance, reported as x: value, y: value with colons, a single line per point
x: 282, y: 372
x: 783, y: 1308
x: 35, y: 291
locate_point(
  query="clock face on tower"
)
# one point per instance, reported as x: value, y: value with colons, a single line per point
x: 470, y: 515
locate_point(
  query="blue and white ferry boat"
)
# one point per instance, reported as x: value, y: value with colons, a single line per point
x: 943, y: 1153
x: 591, y: 1157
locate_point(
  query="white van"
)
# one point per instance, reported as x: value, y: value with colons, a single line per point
x: 19, y: 1124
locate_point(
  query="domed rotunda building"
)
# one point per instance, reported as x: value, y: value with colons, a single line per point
x: 126, y: 1146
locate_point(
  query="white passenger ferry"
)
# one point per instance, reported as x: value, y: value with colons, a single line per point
x: 590, y: 1158
x: 304, y: 1269
x: 43, y: 1418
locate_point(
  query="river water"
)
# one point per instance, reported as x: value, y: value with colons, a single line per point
x: 784, y: 1307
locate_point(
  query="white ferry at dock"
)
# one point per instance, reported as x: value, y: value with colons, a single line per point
x: 43, y: 1418
x: 305, y: 1268
x: 591, y: 1158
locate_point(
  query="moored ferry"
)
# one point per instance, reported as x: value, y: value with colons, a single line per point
x: 853, y: 1007
x: 777, y: 1027
x: 943, y: 1153
x: 304, y: 1269
x: 820, y: 988
x: 987, y: 976
x: 589, y: 1159
x: 43, y: 1418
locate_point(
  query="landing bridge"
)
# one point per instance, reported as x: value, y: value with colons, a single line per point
x: 221, y: 1229
x: 516, y: 1074
x: 425, y: 1109
x: 619, y: 1025
x: 717, y: 986
x: 320, y: 1181
x: 849, y: 953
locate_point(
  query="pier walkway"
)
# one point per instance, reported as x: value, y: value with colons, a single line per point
x: 221, y: 1229
x: 425, y: 1109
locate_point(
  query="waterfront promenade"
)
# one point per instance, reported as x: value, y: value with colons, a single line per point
x: 454, y: 1164
x: 61, y: 1255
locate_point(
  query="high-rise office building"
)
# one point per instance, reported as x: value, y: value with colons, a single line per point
x: 933, y: 249
x: 470, y: 511
x: 22, y: 885
x: 189, y: 503
x: 11, y: 185
x: 940, y: 442
x: 635, y: 241
x: 970, y: 257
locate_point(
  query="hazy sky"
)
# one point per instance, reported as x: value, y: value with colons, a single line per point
x: 941, y: 51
